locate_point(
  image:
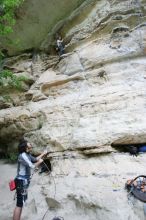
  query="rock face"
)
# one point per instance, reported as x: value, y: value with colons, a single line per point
x: 77, y: 107
x: 39, y: 20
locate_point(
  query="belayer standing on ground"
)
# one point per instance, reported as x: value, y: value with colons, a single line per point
x: 26, y: 162
x: 60, y: 46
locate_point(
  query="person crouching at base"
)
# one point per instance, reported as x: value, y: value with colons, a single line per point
x: 26, y: 162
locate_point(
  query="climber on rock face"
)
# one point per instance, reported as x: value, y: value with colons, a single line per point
x: 60, y: 46
x: 25, y: 162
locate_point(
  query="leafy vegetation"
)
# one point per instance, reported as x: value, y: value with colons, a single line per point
x: 7, y: 20
x: 12, y: 157
x: 7, y: 78
x: 7, y: 15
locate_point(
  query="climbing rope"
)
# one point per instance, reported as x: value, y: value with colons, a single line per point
x: 35, y: 171
x: 67, y: 121
x: 56, y: 218
x: 139, y: 13
x: 52, y: 178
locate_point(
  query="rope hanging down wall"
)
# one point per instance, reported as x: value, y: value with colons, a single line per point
x: 138, y: 11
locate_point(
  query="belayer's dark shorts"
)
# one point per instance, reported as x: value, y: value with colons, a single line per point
x: 21, y: 191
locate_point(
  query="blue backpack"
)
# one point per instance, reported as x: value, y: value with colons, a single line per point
x: 142, y: 148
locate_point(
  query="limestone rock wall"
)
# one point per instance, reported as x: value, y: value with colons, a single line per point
x: 78, y: 106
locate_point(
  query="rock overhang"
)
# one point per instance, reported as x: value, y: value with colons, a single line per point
x: 35, y: 20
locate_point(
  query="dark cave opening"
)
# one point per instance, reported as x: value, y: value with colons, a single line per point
x: 133, y: 149
x: 46, y: 166
x: 9, y: 147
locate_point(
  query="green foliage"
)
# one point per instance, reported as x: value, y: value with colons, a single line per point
x: 7, y: 15
x: 7, y: 98
x: 7, y: 20
x: 8, y: 79
x: 12, y: 157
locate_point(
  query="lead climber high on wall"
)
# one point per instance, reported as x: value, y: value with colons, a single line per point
x: 26, y: 162
x: 60, y: 46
